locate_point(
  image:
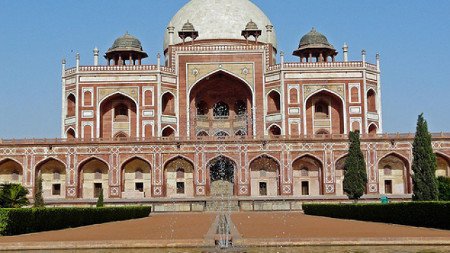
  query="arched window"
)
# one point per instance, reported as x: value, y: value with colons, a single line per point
x: 202, y: 133
x: 293, y: 97
x: 321, y: 110
x: 322, y: 132
x: 354, y: 94
x: 168, y: 104
x: 120, y: 135
x: 221, y: 134
x: 387, y: 170
x: 70, y: 134
x: 221, y: 109
x: 148, y: 97
x: 372, y: 129
x: 168, y: 132
x: 56, y: 175
x: 240, y: 108
x: 202, y: 108
x: 275, y: 130
x: 274, y: 102
x: 98, y: 175
x: 121, y: 112
x: 240, y: 133
x: 138, y: 174
x: 180, y: 173
x: 371, y: 105
x: 304, y: 172
x: 262, y: 172
x: 87, y: 98
x: 15, y: 176
x: 71, y: 105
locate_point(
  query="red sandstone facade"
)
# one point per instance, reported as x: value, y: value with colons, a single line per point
x: 152, y: 132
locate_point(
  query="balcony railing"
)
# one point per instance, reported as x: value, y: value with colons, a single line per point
x: 214, y: 124
x: 173, y: 140
x: 103, y: 68
x: 309, y: 65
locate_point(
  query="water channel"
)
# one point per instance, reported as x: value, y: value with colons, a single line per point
x: 307, y: 249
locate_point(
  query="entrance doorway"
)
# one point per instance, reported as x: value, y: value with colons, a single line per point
x: 222, y: 176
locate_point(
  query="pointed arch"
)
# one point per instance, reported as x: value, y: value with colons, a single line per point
x: 221, y: 133
x: 210, y: 90
x: 265, y: 155
x: 168, y: 103
x: 120, y: 135
x: 372, y: 129
x: 202, y: 133
x: 117, y: 93
x: 134, y: 105
x: 307, y: 172
x: 176, y: 183
x: 52, y: 171
x: 342, y: 100
x: 224, y: 71
x: 397, y: 182
x: 135, y: 177
x: 71, y: 103
x: 6, y: 159
x: 274, y: 130
x: 70, y: 133
x: 168, y: 131
x: 11, y: 171
x: 265, y: 176
x: 176, y: 157
x: 93, y: 177
x: 443, y: 164
x: 371, y: 100
x: 273, y: 101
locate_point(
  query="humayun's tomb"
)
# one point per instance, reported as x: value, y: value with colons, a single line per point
x: 216, y: 115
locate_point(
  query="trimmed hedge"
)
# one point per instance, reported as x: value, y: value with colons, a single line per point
x: 420, y: 214
x: 28, y: 220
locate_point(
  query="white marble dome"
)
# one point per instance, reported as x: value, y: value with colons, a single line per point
x: 220, y: 19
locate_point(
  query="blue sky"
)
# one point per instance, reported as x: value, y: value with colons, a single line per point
x: 413, y: 38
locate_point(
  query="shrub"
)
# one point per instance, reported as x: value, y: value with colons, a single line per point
x: 421, y: 214
x: 30, y: 220
x: 444, y: 188
x: 13, y: 196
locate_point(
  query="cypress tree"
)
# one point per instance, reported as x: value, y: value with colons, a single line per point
x: 100, y: 202
x: 38, y: 199
x: 424, y: 164
x: 355, y: 176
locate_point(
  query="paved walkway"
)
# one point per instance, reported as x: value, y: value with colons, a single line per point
x: 191, y: 229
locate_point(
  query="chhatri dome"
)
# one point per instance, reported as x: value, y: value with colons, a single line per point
x: 220, y: 19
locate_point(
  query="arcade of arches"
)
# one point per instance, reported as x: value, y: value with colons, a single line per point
x: 220, y: 111
x: 136, y: 175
